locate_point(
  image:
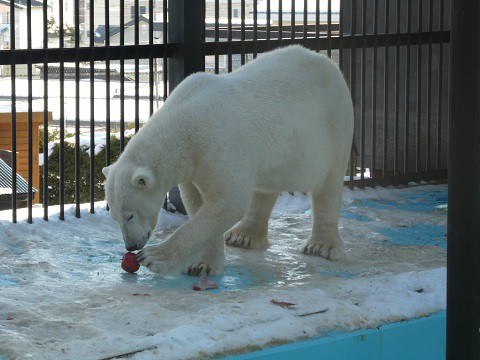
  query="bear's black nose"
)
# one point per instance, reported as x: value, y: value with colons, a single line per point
x: 132, y: 248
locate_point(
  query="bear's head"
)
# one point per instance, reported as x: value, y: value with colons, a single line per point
x: 134, y: 200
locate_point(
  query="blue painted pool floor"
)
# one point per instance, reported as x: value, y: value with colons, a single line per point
x: 413, y: 205
x: 400, y: 230
x: 385, y: 230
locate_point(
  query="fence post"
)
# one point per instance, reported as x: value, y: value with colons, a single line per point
x: 463, y: 257
x: 186, y: 24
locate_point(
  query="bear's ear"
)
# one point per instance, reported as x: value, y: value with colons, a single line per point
x: 143, y: 177
x: 105, y: 170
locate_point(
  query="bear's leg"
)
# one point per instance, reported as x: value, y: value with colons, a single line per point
x: 219, y: 211
x: 325, y: 240
x: 252, y: 231
x: 191, y: 197
x: 212, y: 260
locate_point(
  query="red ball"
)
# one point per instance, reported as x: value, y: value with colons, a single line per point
x: 130, y: 263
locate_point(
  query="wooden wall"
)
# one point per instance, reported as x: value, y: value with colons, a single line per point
x: 22, y: 143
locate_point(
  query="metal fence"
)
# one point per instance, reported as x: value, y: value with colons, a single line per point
x: 100, y: 68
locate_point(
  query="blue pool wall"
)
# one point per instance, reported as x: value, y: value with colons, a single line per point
x: 422, y: 339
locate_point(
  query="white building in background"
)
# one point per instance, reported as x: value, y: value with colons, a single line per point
x: 299, y: 10
x: 114, y: 18
x: 68, y: 11
x: 223, y: 10
x: 21, y: 35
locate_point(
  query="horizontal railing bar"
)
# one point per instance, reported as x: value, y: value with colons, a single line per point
x: 249, y: 30
x: 348, y: 41
x: 53, y: 55
x: 85, y: 54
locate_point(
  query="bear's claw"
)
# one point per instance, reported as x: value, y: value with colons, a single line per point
x: 200, y: 269
x: 331, y: 252
x: 238, y: 240
x: 160, y: 259
x: 245, y: 238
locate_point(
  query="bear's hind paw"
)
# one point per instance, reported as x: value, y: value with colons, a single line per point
x: 238, y: 240
x: 329, y: 251
x: 244, y: 239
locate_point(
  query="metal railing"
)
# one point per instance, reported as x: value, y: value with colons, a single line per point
x: 101, y: 72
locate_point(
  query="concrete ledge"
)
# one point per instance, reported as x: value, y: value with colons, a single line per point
x: 423, y: 338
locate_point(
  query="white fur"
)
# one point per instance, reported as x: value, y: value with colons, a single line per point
x: 233, y: 142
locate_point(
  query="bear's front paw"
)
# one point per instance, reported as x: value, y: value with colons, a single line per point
x: 202, y: 269
x: 330, y: 250
x: 160, y: 259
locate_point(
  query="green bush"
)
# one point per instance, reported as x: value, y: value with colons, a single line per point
x: 100, y: 160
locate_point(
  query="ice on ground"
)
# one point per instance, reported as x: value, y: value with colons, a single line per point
x: 65, y: 296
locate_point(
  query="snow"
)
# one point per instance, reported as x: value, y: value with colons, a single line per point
x: 65, y: 296
x: 69, y: 101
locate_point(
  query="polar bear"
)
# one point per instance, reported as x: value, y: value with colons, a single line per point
x: 232, y: 142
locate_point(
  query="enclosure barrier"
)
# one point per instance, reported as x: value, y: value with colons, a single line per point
x: 108, y: 65
x: 463, y: 243
x: 104, y: 68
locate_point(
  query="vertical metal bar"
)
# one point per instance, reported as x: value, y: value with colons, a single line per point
x: 108, y: 120
x: 406, y: 146
x: 217, y: 35
x: 463, y: 256
x: 151, y: 78
x: 255, y: 27
x: 137, y: 65
x: 418, y: 125
x: 280, y: 20
x: 14, y: 113
x: 292, y: 19
x: 363, y: 95
x: 30, y: 115
x: 229, y: 35
x: 136, y: 25
x: 317, y: 25
x: 429, y: 90
x: 14, y: 121
x: 92, y: 109
x: 385, y: 93
x: 374, y: 92
x: 242, y: 32
x: 62, y: 117
x: 340, y: 36
x: 305, y: 19
x: 397, y: 92
x: 185, y: 26
x: 268, y: 16
x: 45, y: 192
x: 329, y: 28
x: 204, y: 33
x: 353, y: 30
x: 440, y: 91
x: 77, y: 115
x: 122, y: 75
x: 165, y: 48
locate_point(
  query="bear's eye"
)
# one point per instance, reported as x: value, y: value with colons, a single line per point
x: 130, y: 217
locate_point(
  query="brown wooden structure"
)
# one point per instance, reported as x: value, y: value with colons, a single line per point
x: 22, y: 143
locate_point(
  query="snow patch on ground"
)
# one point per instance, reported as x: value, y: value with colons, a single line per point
x: 65, y: 296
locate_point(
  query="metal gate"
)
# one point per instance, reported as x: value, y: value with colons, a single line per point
x: 100, y: 68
